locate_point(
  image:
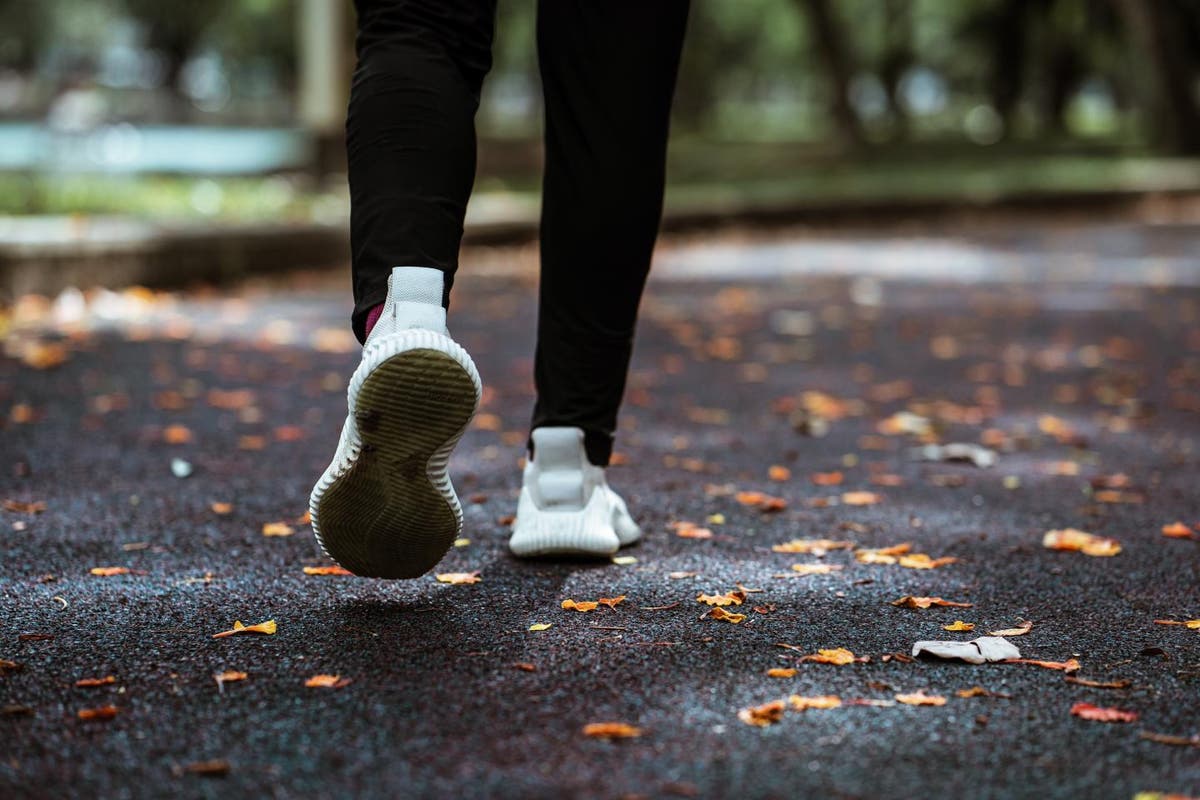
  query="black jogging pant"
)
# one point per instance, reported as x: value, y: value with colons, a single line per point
x: 608, y: 73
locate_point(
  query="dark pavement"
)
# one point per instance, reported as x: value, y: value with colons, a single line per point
x: 1073, y: 383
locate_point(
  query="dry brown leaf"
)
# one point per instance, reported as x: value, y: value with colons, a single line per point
x: 108, y: 572
x: 781, y: 672
x: 882, y: 555
x: 921, y: 699
x: 959, y: 625
x: 103, y: 712
x: 611, y: 730
x: 20, y: 507
x: 728, y: 599
x: 1098, y: 684
x: 816, y: 569
x: 1165, y: 738
x: 214, y: 767
x: 611, y: 602
x: 838, y: 656
x: 979, y: 691
x: 923, y: 561
x: 1070, y: 665
x: 722, y: 614
x: 586, y: 605
x: 816, y: 547
x: 525, y: 666
x: 331, y: 569
x: 327, y: 682
x: 91, y: 682
x: 1086, y: 543
x: 908, y: 601
x: 1101, y: 714
x: 277, y: 529
x: 457, y: 578
x: 1022, y: 629
x: 267, y: 628
x: 764, y: 715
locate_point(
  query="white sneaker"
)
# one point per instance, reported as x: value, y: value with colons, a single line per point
x: 385, y: 507
x: 566, y: 505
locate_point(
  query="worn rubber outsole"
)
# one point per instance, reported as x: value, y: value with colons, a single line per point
x: 389, y: 510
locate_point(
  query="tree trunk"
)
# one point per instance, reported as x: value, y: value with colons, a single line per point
x: 832, y: 47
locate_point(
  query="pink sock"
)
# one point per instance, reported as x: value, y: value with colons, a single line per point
x: 373, y: 317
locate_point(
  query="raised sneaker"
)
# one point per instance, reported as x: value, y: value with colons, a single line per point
x: 385, y: 507
x: 566, y: 506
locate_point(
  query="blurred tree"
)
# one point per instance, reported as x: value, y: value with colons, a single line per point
x: 837, y: 60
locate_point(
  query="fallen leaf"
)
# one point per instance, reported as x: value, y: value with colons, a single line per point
x: 839, y: 656
x: 1022, y: 629
x: 525, y: 666
x: 882, y: 555
x: 327, y: 682
x: 10, y: 666
x: 976, y: 651
x: 908, y: 601
x: 332, y: 569
x: 1177, y: 741
x: 586, y: 605
x: 959, y: 625
x: 103, y: 712
x: 921, y: 699
x: 277, y: 529
x: 541, y: 626
x: 1100, y: 714
x: 1193, y: 624
x: 761, y: 501
x: 826, y: 478
x: 213, y: 768
x: 91, y: 682
x: 727, y: 616
x: 869, y: 702
x: 816, y: 547
x: 979, y: 691
x: 1098, y: 684
x: 1086, y: 543
x: 764, y: 715
x: 611, y: 602
x: 778, y: 472
x: 727, y: 599
x: 861, y: 498
x: 800, y: 703
x: 108, y: 572
x: 780, y: 672
x: 36, y: 507
x: 229, y: 676
x: 689, y: 530
x: 221, y: 508
x: 816, y: 569
x: 1070, y: 665
x: 680, y: 575
x: 1177, y: 530
x: 457, y: 578
x: 611, y: 730
x: 268, y: 628
x: 177, y: 434
x: 923, y: 561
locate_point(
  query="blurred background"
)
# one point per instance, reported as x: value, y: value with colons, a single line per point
x: 118, y: 114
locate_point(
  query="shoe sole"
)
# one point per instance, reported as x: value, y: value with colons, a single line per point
x: 393, y: 513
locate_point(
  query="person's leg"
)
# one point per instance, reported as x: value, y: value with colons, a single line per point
x: 385, y: 506
x: 410, y: 137
x: 608, y: 74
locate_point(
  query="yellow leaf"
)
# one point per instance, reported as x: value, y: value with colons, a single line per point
x: 611, y: 730
x: 780, y: 672
x: 839, y: 656
x: 277, y: 529
x: 778, y: 472
x: 861, y: 498
x: 882, y: 555
x: 727, y: 616
x: 921, y: 699
x: 332, y: 569
x: 267, y: 628
x: 611, y: 602
x: 108, y: 572
x: 458, y: 577
x: 816, y: 547
x: 1086, y: 543
x: 727, y: 599
x: 326, y: 682
x: 959, y: 625
x: 799, y: 703
x: 541, y: 626
x: 923, y: 561
x: 586, y: 605
x: 816, y: 569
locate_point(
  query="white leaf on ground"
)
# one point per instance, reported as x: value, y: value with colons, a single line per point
x: 976, y: 651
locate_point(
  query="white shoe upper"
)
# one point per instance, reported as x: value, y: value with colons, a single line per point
x: 566, y: 505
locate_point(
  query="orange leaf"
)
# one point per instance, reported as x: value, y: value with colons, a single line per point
x: 837, y: 656
x: 826, y: 478
x: 727, y: 599
x: 816, y: 547
x: 20, y: 507
x: 728, y: 616
x: 108, y: 572
x: 762, y: 501
x: 764, y: 715
x: 1193, y: 624
x: 267, y: 628
x: 1086, y: 543
x: 1177, y: 530
x: 104, y: 712
x: 1101, y: 714
x: 90, y: 682
x: 611, y: 602
x: 882, y: 555
x: 921, y: 699
x: 277, y: 529
x: 221, y: 508
x: 690, y: 530
x: 959, y: 625
x: 923, y: 561
x: 177, y: 434
x: 799, y: 703
x: 861, y: 498
x: 908, y: 601
x: 229, y: 676
x: 586, y: 605
x: 1070, y: 665
x: 327, y: 682
x: 777, y: 472
x: 332, y: 569
x: 780, y: 672
x: 456, y: 578
x: 611, y: 730
x: 979, y: 691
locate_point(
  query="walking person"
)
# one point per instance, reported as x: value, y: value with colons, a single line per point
x: 385, y: 506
